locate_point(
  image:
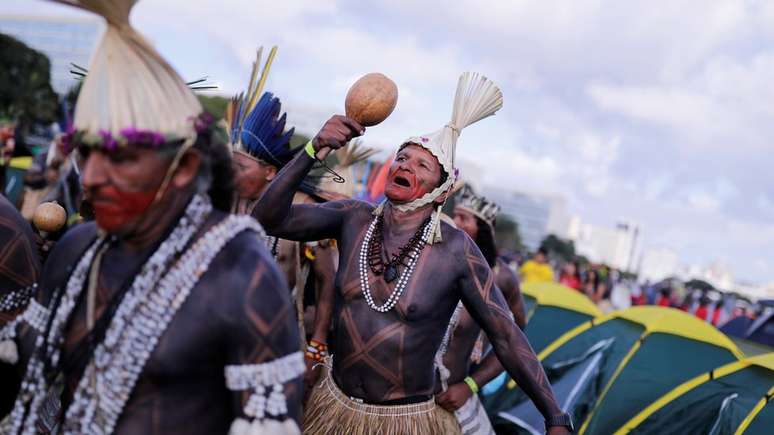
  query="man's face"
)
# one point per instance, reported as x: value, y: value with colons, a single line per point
x: 540, y: 257
x: 466, y: 221
x: 121, y: 184
x: 251, y: 176
x: 413, y: 173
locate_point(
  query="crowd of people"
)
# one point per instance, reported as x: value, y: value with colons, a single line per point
x: 201, y: 281
x: 610, y: 289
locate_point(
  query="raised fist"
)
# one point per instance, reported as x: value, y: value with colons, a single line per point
x: 336, y: 132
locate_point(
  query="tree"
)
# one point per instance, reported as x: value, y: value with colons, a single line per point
x: 214, y: 105
x: 507, y: 235
x: 299, y: 139
x: 557, y: 247
x: 26, y: 95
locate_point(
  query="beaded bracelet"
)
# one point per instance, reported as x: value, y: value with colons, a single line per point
x: 309, y: 148
x: 319, y: 345
x: 316, y: 351
x: 472, y: 384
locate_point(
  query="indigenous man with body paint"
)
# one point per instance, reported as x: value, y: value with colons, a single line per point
x: 166, y: 315
x: 261, y: 149
x: 19, y: 274
x: 475, y: 215
x: 401, y: 274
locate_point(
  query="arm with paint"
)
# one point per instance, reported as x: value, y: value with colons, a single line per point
x: 264, y: 367
x: 276, y: 211
x: 490, y: 366
x: 488, y: 307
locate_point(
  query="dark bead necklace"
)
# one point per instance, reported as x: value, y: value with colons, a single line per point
x: 375, y: 260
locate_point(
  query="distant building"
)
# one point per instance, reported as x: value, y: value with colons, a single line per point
x: 615, y: 247
x: 64, y: 40
x: 658, y: 264
x: 537, y: 215
x: 717, y: 273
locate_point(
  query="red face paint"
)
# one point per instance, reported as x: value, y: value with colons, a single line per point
x: 407, y: 178
x: 402, y: 185
x: 114, y: 208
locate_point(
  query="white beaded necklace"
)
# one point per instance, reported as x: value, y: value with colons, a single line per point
x: 35, y: 386
x: 404, y: 278
x: 142, y: 317
x: 136, y: 329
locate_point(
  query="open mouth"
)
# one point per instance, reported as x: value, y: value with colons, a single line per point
x: 400, y: 181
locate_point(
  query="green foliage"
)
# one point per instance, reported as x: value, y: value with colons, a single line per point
x: 582, y: 260
x: 629, y: 275
x: 214, y: 105
x: 559, y: 248
x: 26, y: 95
x: 507, y: 235
x: 298, y: 140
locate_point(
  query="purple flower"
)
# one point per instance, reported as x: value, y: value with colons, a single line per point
x: 142, y: 137
x: 203, y: 122
x: 107, y: 140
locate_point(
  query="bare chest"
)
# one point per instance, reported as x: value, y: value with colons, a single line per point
x: 420, y: 292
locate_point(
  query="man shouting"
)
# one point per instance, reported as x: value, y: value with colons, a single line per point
x: 401, y: 274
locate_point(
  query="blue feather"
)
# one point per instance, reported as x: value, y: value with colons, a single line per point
x: 262, y: 133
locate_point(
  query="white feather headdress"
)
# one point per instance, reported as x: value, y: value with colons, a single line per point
x: 477, y: 97
x: 130, y: 88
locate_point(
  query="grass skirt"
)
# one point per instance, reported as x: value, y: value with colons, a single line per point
x: 331, y: 412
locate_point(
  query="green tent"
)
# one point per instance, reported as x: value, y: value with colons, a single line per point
x: 735, y: 398
x: 14, y: 177
x: 627, y: 360
x: 553, y: 309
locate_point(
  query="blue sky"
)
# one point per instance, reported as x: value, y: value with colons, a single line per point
x: 660, y: 112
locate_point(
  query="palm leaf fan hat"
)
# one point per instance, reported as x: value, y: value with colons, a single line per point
x: 256, y: 128
x: 131, y: 96
x: 476, y: 98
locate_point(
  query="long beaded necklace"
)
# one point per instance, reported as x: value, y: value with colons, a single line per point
x: 411, y: 257
x: 390, y: 270
x: 120, y: 359
x: 35, y: 385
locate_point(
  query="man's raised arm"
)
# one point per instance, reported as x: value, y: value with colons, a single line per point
x: 488, y: 307
x: 275, y: 210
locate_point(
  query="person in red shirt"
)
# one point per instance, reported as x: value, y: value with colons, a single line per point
x: 569, y: 276
x: 663, y: 299
x: 702, y: 311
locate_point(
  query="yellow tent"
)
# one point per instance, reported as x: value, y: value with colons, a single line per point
x: 608, y: 369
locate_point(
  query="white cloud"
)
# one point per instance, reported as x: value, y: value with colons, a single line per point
x: 672, y: 107
x: 659, y: 112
